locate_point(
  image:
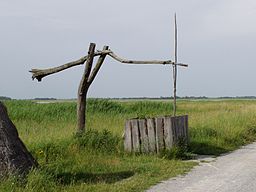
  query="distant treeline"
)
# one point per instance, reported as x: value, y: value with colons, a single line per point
x: 45, y: 98
x: 186, y: 97
x: 5, y: 98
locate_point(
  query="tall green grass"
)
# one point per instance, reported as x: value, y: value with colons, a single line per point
x: 96, y: 161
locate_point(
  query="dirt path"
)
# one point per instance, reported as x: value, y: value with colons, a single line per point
x: 228, y: 173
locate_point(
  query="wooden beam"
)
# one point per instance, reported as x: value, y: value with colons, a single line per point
x: 40, y: 73
x: 126, y: 61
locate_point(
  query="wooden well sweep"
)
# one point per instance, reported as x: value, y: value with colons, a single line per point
x: 152, y: 135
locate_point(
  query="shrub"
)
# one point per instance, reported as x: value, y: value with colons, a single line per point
x: 99, y: 141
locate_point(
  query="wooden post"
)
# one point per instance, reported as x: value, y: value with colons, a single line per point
x: 175, y: 68
x: 85, y: 83
x: 82, y: 91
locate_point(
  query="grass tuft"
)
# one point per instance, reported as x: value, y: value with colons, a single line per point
x: 99, y: 141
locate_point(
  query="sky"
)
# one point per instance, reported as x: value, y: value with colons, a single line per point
x: 216, y: 38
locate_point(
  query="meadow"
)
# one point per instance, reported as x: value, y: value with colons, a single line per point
x: 96, y: 161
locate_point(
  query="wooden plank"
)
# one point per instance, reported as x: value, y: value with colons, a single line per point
x: 179, y: 121
x: 143, y: 136
x: 186, y: 129
x: 151, y: 135
x: 159, y: 134
x: 174, y: 130
x: 135, y: 135
x: 128, y: 137
x: 168, y: 132
x: 180, y: 128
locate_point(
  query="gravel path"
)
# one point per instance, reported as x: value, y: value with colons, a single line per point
x: 234, y: 172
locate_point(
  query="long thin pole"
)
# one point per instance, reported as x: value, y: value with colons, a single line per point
x: 175, y: 67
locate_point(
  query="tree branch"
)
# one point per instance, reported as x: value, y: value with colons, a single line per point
x: 97, y: 66
x: 88, y: 67
x: 40, y: 73
x: 114, y: 56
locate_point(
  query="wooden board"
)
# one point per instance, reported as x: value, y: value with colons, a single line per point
x: 151, y: 135
x: 159, y: 134
x: 135, y: 135
x: 168, y: 132
x: 143, y: 135
x: 128, y: 137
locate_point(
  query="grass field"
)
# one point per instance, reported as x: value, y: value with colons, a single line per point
x: 96, y: 161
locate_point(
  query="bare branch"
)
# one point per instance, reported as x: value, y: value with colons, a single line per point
x: 117, y: 58
x: 88, y: 67
x: 97, y: 66
x: 40, y: 73
x: 121, y: 60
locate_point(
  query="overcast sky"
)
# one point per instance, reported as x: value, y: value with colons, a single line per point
x: 216, y: 38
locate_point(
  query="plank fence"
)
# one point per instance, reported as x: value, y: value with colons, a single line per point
x: 152, y: 135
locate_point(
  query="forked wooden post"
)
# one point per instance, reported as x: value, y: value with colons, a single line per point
x: 82, y: 91
x: 85, y: 83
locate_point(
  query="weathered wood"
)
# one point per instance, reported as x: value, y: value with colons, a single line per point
x: 14, y: 156
x: 175, y: 69
x: 156, y: 134
x: 180, y: 129
x: 143, y: 135
x: 186, y: 129
x: 173, y: 130
x: 159, y: 134
x: 135, y: 135
x: 41, y: 73
x: 97, y: 66
x: 151, y: 135
x: 128, y: 137
x: 82, y: 91
x: 126, y: 61
x: 168, y: 132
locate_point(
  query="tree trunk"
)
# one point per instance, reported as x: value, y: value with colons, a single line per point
x: 14, y: 156
x: 82, y: 91
x: 81, y: 112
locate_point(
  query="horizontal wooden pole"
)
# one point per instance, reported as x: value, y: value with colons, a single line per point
x: 41, y: 73
x: 126, y: 61
x: 121, y: 60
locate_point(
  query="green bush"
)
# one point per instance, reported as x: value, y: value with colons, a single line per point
x: 104, y: 106
x: 99, y: 141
